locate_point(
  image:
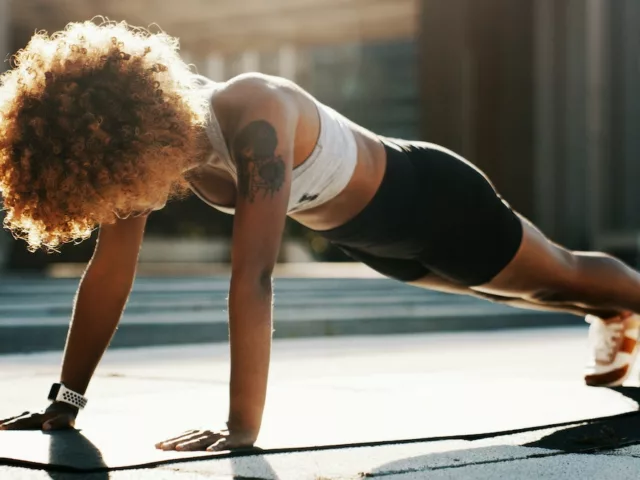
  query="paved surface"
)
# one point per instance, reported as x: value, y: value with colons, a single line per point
x: 346, y: 390
x: 34, y: 313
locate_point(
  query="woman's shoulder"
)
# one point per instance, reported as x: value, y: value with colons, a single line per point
x: 250, y: 94
x: 256, y: 82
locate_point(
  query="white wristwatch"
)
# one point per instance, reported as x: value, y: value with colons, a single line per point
x: 60, y: 393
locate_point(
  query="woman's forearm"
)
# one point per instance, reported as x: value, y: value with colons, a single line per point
x: 250, y: 330
x: 98, y: 307
x: 102, y: 295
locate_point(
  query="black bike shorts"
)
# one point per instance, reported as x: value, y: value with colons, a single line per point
x: 433, y: 213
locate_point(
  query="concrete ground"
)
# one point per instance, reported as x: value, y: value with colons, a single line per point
x: 438, y: 406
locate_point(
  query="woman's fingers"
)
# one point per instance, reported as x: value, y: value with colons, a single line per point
x: 171, y: 443
x: 31, y: 421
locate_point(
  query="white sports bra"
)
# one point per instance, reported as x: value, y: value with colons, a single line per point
x: 322, y: 176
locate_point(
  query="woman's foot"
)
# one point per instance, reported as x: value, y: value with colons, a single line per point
x: 614, y: 344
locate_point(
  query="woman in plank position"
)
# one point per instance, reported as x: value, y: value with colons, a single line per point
x: 101, y: 124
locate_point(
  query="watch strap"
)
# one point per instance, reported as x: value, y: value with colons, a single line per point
x: 60, y: 393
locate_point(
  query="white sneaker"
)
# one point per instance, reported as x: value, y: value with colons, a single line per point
x: 614, y: 346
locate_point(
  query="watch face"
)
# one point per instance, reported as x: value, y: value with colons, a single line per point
x: 53, y: 393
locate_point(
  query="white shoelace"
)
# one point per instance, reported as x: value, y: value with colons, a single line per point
x: 606, y: 338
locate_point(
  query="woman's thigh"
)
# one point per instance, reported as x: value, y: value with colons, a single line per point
x: 540, y: 267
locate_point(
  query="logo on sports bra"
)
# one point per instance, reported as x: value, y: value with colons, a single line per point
x: 307, y: 198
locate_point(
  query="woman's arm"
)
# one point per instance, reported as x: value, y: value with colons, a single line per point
x: 262, y: 148
x: 101, y: 298
x: 99, y: 303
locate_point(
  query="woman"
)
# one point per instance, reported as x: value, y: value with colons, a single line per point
x: 101, y: 124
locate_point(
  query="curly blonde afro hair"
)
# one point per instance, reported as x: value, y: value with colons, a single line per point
x: 95, y: 120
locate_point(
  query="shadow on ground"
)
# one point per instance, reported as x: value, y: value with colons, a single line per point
x: 586, y: 437
x: 71, y: 447
x: 597, y: 435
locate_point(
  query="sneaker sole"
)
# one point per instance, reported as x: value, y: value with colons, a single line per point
x: 614, y: 378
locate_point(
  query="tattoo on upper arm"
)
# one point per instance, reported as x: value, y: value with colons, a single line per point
x: 260, y: 169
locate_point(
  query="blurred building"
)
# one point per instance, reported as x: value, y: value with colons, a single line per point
x: 541, y: 94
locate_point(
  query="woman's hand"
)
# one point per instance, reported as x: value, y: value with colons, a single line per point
x: 208, y: 440
x: 59, y: 416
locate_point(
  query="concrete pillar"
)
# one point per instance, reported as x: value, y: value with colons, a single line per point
x: 249, y: 61
x: 214, y: 67
x: 476, y: 67
x: 569, y: 111
x: 288, y: 62
x: 597, y: 99
x: 443, y: 83
x: 546, y: 121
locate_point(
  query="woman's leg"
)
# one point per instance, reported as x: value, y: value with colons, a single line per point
x: 437, y: 283
x: 543, y: 272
